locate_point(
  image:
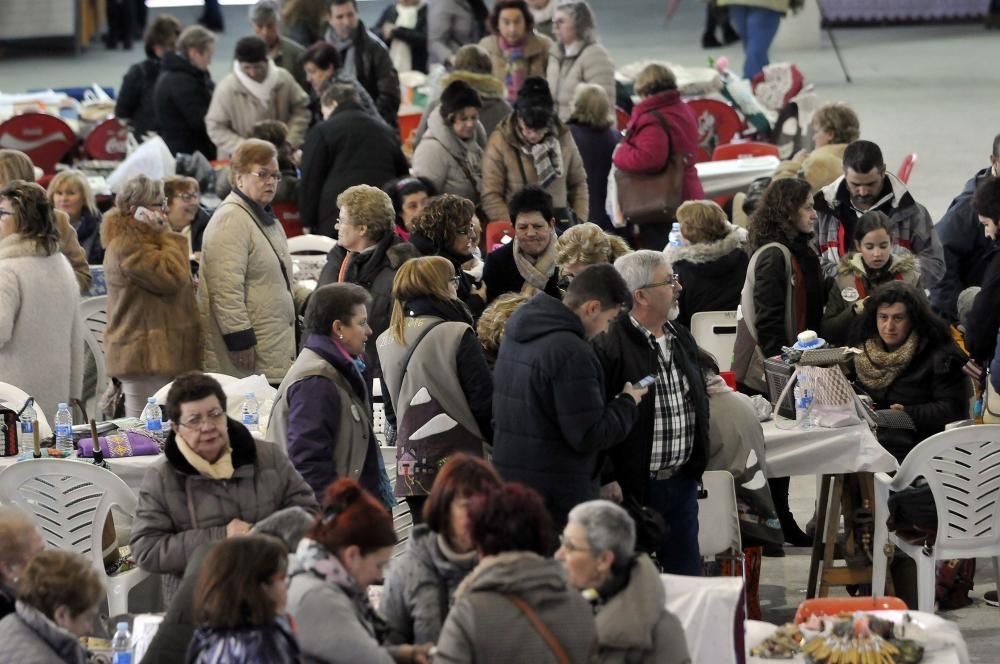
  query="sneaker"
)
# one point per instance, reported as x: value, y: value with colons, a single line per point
x: 991, y: 598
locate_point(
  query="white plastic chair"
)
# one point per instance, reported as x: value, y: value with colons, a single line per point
x: 718, y: 518
x: 70, y: 501
x: 302, y: 244
x: 97, y: 350
x: 962, y: 468
x: 95, y: 316
x: 715, y: 331
x: 15, y: 397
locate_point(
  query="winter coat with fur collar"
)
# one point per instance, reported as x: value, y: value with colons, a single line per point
x: 41, y: 330
x: 490, y: 90
x: 712, y: 274
x: 153, y: 326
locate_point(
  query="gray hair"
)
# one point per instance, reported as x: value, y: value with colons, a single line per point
x: 264, y: 12
x: 139, y: 191
x: 609, y: 528
x: 582, y: 18
x: 196, y: 37
x: 637, y: 268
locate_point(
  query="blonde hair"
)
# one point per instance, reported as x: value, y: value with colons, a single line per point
x: 491, y: 324
x: 654, y: 78
x: 15, y: 165
x: 591, y: 106
x: 369, y: 206
x: 702, y: 221
x: 75, y: 179
x: 15, y: 531
x: 249, y: 153
x: 839, y: 120
x: 588, y: 244
x: 427, y: 276
x: 139, y: 191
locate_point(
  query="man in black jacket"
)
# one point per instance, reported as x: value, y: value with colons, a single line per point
x: 551, y: 416
x: 365, y: 57
x: 348, y: 148
x: 661, y: 461
x: 965, y: 247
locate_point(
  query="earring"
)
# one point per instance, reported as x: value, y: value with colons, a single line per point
x: 342, y: 337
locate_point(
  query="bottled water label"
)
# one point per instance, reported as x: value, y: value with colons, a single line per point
x: 122, y: 658
x: 250, y: 419
x: 64, y: 430
x: 27, y: 426
x: 154, y: 425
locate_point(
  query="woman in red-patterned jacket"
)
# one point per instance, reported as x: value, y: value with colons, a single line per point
x: 660, y: 123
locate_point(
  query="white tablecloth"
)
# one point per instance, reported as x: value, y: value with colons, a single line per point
x: 946, y: 645
x: 796, y: 451
x: 130, y: 469
x: 728, y: 176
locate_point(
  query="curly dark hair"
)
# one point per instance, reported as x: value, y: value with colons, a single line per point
x: 512, y: 518
x: 775, y: 218
x: 444, y: 217
x: 33, y: 213
x: 924, y: 321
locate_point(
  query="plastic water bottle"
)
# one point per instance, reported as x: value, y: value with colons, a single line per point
x: 153, y: 418
x: 64, y: 431
x: 675, y: 235
x: 803, y: 400
x: 121, y: 645
x: 250, y: 413
x: 29, y: 420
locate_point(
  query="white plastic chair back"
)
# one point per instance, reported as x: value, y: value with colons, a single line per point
x: 962, y: 468
x: 718, y: 518
x: 70, y: 501
x: 97, y: 350
x: 15, y: 397
x: 95, y: 316
x: 308, y: 243
x: 715, y: 331
x: 710, y: 609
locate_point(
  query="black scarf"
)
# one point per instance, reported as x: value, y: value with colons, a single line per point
x: 453, y: 311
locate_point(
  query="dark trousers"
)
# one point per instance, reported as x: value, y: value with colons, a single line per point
x: 677, y: 500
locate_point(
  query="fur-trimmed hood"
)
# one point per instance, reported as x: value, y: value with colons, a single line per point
x: 18, y: 246
x: 706, y: 252
x: 487, y: 86
x: 901, y: 262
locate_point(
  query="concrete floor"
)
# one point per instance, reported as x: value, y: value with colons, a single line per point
x: 924, y: 89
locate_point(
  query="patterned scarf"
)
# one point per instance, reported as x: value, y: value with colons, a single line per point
x: 877, y: 368
x: 517, y: 67
x: 536, y: 271
x: 547, y: 157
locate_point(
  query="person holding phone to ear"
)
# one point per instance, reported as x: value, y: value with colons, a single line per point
x: 660, y: 462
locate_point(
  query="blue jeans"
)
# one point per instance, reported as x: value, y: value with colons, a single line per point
x: 677, y: 500
x: 757, y: 27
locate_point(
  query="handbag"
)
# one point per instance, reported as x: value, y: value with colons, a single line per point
x: 991, y: 402
x: 652, y: 199
x: 543, y: 630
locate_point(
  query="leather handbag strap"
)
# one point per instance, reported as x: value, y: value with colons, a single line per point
x: 543, y: 630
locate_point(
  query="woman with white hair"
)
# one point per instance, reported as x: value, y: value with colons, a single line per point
x: 597, y: 548
x: 577, y: 57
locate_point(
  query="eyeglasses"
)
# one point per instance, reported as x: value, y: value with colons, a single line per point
x: 673, y: 280
x: 6, y: 213
x: 188, y: 197
x: 264, y: 175
x: 570, y: 547
x: 197, y: 422
x: 457, y: 280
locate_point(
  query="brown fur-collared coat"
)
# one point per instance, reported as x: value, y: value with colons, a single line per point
x: 153, y: 325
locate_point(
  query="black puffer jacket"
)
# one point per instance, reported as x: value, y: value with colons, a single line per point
x: 984, y: 318
x: 348, y: 148
x: 626, y: 355
x: 374, y: 271
x: 135, y: 97
x: 183, y: 93
x: 552, y: 418
x: 711, y: 273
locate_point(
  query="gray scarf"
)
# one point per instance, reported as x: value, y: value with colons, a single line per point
x: 547, y: 156
x: 346, y: 49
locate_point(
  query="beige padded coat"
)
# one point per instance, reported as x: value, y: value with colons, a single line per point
x: 234, y: 111
x: 581, y: 63
x: 502, y: 176
x: 242, y: 295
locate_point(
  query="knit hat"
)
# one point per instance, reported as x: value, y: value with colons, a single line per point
x: 456, y: 96
x: 251, y: 49
x: 535, y: 104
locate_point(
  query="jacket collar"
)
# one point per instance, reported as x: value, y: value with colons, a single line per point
x: 264, y: 213
x: 18, y: 246
x: 327, y: 349
x: 240, y: 440
x: 627, y: 618
x: 65, y: 645
x: 658, y: 101
x: 835, y: 195
x: 706, y: 252
x: 487, y: 85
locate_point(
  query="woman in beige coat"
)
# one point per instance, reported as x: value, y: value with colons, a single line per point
x: 245, y: 295
x: 152, y: 333
x: 531, y: 146
x: 516, y: 51
x: 576, y: 57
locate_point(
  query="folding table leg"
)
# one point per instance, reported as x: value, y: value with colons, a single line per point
x: 814, y: 561
x: 832, y: 526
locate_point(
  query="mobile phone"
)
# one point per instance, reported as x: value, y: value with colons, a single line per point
x: 647, y: 381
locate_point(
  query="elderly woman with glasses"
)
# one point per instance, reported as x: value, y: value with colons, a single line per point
x: 597, y: 549
x: 214, y: 481
x: 246, y: 296
x: 152, y: 333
